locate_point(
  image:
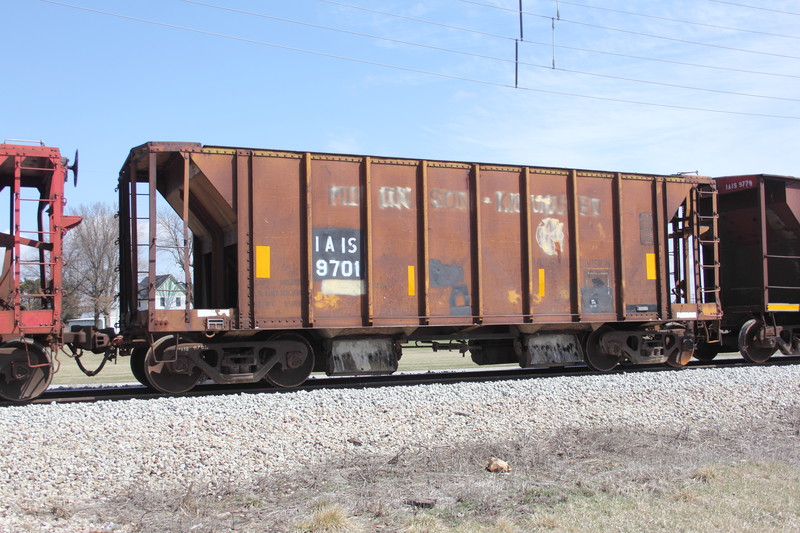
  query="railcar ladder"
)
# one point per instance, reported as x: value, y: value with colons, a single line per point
x: 141, y: 268
x: 145, y: 221
x: 39, y: 238
x: 706, y: 249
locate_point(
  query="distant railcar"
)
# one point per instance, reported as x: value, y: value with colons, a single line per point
x: 759, y: 230
x: 32, y: 180
x: 306, y: 261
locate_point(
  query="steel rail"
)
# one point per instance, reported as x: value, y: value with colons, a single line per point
x: 65, y: 395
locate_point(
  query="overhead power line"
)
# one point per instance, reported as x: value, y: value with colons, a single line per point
x: 483, y: 56
x: 408, y: 69
x: 671, y: 61
x: 341, y: 30
x: 414, y: 19
x: 631, y: 32
x: 558, y: 46
x: 756, y: 7
x: 682, y: 21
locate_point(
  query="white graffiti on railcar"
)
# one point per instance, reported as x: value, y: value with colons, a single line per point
x: 550, y: 236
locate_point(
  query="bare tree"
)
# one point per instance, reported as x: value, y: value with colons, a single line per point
x: 91, y: 259
x: 172, y: 241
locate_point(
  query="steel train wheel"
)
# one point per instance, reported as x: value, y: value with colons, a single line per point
x: 167, y: 371
x: 137, y: 365
x: 681, y: 357
x: 26, y: 370
x: 593, y: 354
x: 706, y: 351
x: 749, y: 345
x: 295, y: 363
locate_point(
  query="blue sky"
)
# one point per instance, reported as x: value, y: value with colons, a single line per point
x: 422, y: 79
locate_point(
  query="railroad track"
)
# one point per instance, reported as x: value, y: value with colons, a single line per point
x: 130, y: 392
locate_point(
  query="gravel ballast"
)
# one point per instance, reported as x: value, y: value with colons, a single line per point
x: 81, y: 452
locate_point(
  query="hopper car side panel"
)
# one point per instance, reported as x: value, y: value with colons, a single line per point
x: 394, y: 205
x: 449, y: 262
x: 325, y: 241
x: 339, y: 237
x: 278, y: 233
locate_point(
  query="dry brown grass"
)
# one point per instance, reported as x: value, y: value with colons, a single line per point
x: 578, y: 481
x: 328, y: 517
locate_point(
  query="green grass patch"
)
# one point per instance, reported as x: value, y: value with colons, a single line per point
x: 414, y: 359
x: 70, y: 374
x: 751, y: 497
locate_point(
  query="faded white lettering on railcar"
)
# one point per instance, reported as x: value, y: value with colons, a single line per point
x: 395, y: 197
x: 588, y: 206
x: 507, y: 202
x: 550, y: 204
x: 545, y: 204
x: 444, y: 199
x: 344, y: 195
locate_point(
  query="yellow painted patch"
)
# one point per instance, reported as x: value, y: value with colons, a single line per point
x: 326, y: 301
x: 514, y: 297
x: 263, y: 262
x: 412, y: 281
x: 541, y: 283
x: 783, y: 307
x: 650, y: 260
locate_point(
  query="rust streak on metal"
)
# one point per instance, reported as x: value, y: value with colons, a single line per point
x: 619, y: 258
x: 308, y: 302
x: 527, y: 255
x: 574, y: 242
x: 366, y: 235
x: 423, y: 238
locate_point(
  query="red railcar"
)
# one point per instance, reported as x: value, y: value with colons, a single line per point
x: 32, y: 180
x: 305, y: 260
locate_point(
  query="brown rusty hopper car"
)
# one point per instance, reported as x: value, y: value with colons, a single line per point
x: 309, y: 260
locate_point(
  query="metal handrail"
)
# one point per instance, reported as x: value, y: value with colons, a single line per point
x: 40, y: 143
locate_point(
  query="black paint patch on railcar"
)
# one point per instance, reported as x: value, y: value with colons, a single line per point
x: 337, y: 253
x: 452, y: 276
x: 596, y: 298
